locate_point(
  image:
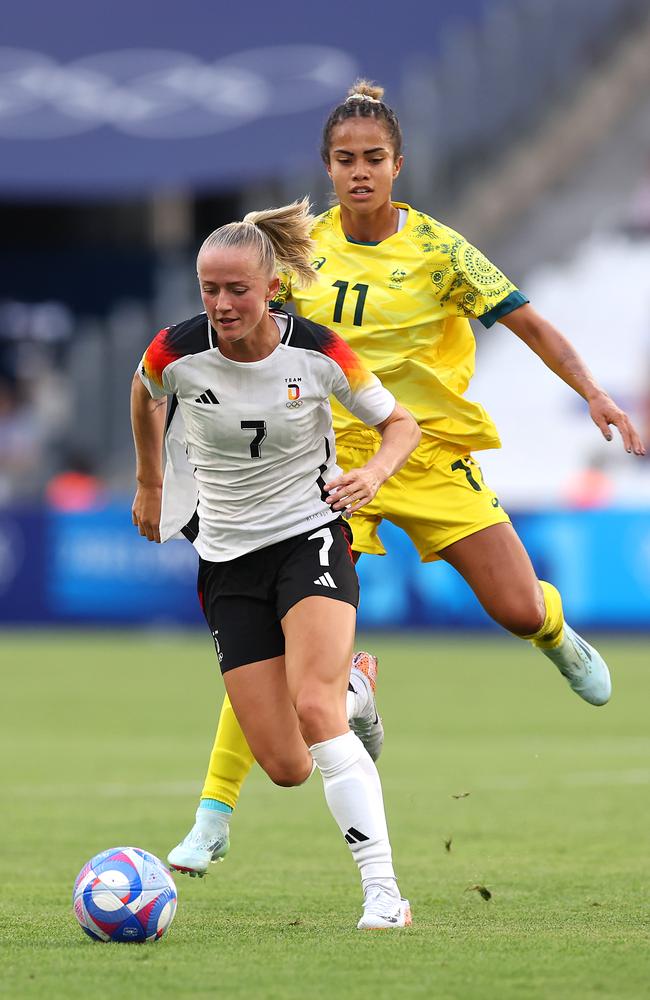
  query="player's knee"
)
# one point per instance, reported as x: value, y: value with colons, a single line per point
x: 317, y: 717
x: 523, y: 617
x: 287, y: 773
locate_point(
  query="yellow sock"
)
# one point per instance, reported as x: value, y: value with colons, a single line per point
x: 230, y: 760
x: 550, y: 634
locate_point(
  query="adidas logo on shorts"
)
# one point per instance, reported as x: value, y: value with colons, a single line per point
x: 326, y: 581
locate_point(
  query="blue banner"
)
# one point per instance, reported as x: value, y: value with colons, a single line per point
x: 93, y: 568
x: 100, y: 569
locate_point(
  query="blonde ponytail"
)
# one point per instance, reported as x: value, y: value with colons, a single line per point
x: 288, y: 230
x: 280, y: 236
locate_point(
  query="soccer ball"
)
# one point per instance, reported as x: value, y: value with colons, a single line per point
x: 124, y: 894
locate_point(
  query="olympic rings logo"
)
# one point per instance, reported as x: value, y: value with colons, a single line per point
x: 163, y: 94
x: 293, y: 404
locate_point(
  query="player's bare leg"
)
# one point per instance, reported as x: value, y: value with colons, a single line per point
x: 498, y: 569
x: 319, y: 636
x: 287, y: 762
x: 260, y: 698
x: 231, y: 759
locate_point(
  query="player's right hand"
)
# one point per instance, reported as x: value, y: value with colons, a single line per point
x: 145, y: 511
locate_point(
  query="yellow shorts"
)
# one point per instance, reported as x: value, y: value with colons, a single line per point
x: 438, y: 498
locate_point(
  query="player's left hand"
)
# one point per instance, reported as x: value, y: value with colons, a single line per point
x: 352, y: 490
x: 605, y: 412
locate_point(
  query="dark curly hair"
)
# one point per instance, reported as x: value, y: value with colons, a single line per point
x: 364, y: 100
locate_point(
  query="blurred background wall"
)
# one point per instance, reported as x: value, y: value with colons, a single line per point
x: 128, y: 132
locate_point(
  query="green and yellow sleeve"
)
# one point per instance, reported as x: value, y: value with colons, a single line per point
x: 472, y: 286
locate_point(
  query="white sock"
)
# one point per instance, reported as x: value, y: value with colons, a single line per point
x: 353, y: 793
x: 356, y: 700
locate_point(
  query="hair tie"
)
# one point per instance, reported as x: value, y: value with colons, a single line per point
x: 362, y: 97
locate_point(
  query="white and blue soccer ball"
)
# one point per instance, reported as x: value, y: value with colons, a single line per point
x: 124, y: 894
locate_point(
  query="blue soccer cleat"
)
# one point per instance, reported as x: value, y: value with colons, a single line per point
x: 583, y: 667
x: 207, y: 842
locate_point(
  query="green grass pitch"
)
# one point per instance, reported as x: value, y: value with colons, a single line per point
x: 541, y: 798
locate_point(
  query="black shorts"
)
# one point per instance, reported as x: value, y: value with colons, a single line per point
x: 245, y: 599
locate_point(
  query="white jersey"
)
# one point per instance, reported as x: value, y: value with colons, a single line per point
x: 250, y: 445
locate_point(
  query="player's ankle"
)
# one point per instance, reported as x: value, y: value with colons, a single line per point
x: 216, y: 805
x: 212, y: 814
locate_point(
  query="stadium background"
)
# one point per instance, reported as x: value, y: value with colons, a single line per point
x: 124, y: 140
x: 126, y: 134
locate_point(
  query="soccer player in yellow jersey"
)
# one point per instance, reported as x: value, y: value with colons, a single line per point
x: 401, y: 287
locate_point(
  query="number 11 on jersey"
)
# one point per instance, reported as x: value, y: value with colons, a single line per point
x: 361, y: 290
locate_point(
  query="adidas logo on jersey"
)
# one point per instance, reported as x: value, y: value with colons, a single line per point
x: 206, y: 397
x: 326, y: 581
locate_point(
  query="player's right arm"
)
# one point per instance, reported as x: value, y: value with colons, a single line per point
x: 149, y: 392
x: 148, y: 423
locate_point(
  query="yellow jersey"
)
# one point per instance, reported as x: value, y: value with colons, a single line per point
x: 403, y: 305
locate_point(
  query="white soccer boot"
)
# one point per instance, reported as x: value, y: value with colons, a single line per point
x: 207, y: 842
x: 583, y: 667
x: 384, y: 909
x: 367, y: 726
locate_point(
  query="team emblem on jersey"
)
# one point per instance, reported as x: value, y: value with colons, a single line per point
x: 318, y: 263
x: 438, y: 277
x: 293, y: 396
x: 396, y: 278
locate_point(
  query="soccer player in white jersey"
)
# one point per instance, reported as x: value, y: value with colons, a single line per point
x: 260, y: 495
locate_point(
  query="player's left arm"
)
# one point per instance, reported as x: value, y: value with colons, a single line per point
x: 366, y: 398
x: 400, y: 434
x: 561, y: 357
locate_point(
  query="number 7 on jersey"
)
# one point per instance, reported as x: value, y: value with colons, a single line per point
x: 260, y: 435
